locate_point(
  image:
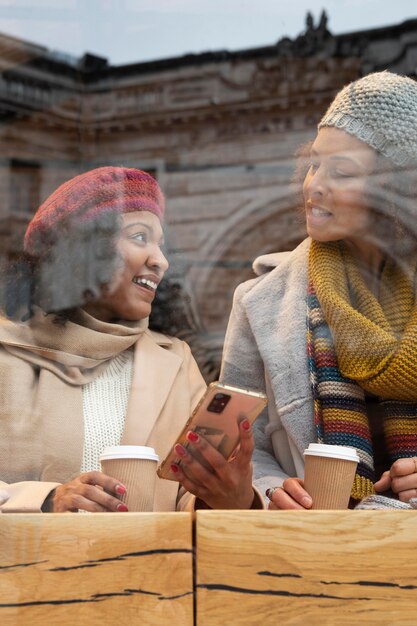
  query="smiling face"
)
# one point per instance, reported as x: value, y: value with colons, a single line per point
x: 130, y: 295
x: 335, y: 187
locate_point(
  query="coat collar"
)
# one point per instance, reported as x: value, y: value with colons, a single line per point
x: 277, y: 310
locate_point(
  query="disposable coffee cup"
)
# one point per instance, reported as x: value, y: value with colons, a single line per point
x: 329, y: 474
x: 135, y: 467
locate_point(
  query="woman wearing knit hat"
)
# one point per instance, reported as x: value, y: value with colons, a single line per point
x: 84, y: 371
x: 329, y: 330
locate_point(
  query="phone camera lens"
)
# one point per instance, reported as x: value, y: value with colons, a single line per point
x: 218, y: 402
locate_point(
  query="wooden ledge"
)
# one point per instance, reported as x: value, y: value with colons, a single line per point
x: 306, y: 567
x: 101, y: 569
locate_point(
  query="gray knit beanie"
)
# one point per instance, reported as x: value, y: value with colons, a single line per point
x: 381, y: 110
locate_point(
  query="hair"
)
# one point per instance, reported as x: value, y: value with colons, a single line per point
x: 169, y: 309
x: 302, y: 165
x: 392, y: 201
x: 76, y: 262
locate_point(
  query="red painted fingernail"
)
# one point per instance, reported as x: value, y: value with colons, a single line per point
x: 122, y: 508
x: 174, y: 469
x: 246, y: 425
x: 120, y: 489
x: 192, y: 436
x: 180, y: 450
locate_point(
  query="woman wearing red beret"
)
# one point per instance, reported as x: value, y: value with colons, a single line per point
x: 84, y: 371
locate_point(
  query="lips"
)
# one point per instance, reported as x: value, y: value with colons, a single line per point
x: 147, y: 283
x: 317, y: 215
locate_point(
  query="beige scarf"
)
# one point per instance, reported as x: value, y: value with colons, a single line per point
x: 41, y: 391
x: 75, y: 351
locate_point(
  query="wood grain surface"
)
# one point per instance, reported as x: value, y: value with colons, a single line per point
x: 306, y: 567
x: 101, y: 569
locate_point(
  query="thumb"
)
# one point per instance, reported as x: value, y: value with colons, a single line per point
x: 246, y: 444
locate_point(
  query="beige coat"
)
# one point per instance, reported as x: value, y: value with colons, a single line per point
x: 42, y: 426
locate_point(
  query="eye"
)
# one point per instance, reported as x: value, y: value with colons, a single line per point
x: 141, y: 237
x: 337, y: 173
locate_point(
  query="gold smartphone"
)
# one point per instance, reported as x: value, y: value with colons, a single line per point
x: 216, y: 417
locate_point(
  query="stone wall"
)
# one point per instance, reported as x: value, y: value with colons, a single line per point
x: 218, y: 130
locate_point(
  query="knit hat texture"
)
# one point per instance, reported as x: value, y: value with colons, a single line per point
x: 381, y: 110
x: 88, y: 197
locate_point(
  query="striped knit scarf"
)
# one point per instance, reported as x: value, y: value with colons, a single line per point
x: 359, y: 343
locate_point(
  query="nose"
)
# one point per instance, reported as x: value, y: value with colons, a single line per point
x: 157, y: 259
x: 315, y: 183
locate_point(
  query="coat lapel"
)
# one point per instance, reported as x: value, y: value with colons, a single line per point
x: 277, y: 312
x: 154, y: 372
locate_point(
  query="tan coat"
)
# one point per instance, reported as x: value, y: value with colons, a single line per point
x: 39, y: 450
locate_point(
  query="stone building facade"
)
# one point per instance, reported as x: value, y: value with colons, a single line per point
x: 219, y: 130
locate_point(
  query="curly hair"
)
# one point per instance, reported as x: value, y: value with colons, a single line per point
x: 76, y: 262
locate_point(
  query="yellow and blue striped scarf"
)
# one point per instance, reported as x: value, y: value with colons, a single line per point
x: 358, y: 343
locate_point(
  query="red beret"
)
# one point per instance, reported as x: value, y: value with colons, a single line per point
x: 88, y: 196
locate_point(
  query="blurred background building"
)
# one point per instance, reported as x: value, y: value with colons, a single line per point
x: 219, y: 131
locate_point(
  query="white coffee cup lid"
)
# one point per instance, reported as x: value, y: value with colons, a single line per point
x: 128, y: 452
x: 334, y: 452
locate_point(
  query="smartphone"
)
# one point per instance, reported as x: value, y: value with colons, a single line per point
x: 217, y: 417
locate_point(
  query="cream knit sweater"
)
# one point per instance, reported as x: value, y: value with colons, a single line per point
x: 104, y: 407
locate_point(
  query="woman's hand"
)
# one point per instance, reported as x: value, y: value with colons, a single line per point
x: 401, y: 479
x: 222, y: 484
x: 291, y: 495
x: 91, y: 491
